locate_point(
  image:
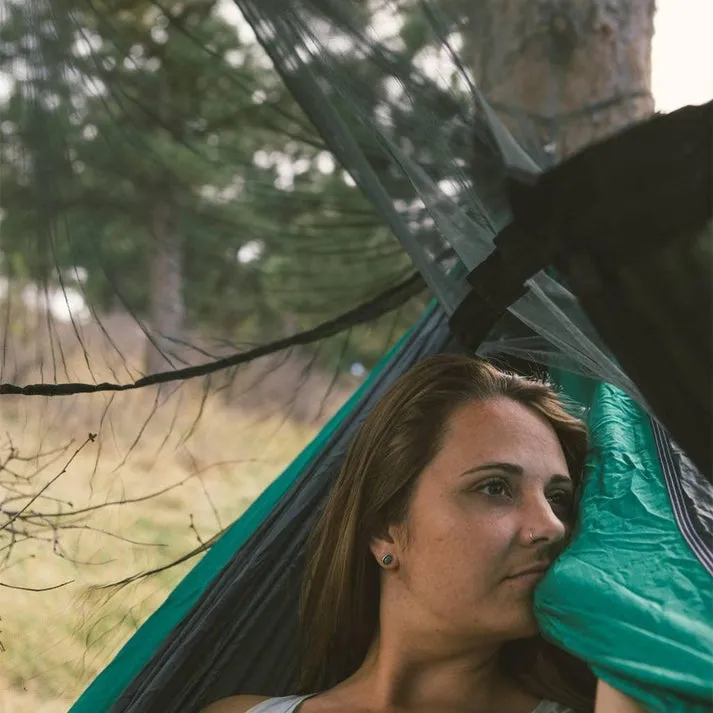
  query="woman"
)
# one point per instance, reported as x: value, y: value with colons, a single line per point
x: 454, y: 499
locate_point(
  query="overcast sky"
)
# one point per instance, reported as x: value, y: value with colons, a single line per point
x: 683, y: 53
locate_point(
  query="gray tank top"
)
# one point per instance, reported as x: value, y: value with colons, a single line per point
x: 288, y: 704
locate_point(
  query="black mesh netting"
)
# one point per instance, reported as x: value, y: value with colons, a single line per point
x: 157, y: 167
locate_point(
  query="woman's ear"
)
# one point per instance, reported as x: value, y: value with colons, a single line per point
x: 385, y: 548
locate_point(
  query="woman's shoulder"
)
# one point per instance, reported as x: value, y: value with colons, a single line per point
x: 552, y: 707
x: 264, y: 704
x: 235, y: 704
x: 244, y: 704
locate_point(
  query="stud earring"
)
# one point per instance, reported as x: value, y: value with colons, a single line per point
x: 387, y: 559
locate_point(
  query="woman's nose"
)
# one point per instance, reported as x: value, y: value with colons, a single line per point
x: 541, y: 524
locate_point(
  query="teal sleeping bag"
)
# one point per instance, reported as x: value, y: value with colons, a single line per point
x: 633, y: 594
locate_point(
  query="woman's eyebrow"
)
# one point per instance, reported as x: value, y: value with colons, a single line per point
x: 512, y: 469
x: 561, y: 479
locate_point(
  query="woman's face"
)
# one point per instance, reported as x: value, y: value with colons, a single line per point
x: 500, y: 477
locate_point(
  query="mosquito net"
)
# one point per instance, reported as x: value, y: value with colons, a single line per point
x: 153, y: 158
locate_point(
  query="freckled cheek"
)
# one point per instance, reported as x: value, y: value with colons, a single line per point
x: 437, y: 542
x: 484, y: 546
x: 457, y: 554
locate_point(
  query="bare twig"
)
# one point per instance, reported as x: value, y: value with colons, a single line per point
x: 25, y: 522
x: 90, y: 439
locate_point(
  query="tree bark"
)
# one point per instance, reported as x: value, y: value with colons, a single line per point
x: 578, y: 70
x: 167, y: 309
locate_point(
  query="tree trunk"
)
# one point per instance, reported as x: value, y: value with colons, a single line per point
x: 167, y: 310
x: 578, y: 70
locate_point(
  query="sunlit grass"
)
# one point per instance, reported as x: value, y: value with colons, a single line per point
x: 55, y: 642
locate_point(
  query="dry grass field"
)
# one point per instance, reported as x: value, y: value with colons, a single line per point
x: 211, y: 468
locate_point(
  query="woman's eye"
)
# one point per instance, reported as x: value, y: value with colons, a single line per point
x: 494, y: 488
x: 561, y: 498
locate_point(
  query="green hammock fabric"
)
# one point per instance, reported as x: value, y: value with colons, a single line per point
x: 629, y: 596
x: 105, y: 689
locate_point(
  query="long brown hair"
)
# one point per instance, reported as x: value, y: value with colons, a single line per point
x: 399, y: 438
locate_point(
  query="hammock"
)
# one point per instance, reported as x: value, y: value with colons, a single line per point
x: 231, y: 625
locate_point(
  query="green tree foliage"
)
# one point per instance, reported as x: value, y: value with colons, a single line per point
x: 145, y: 129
